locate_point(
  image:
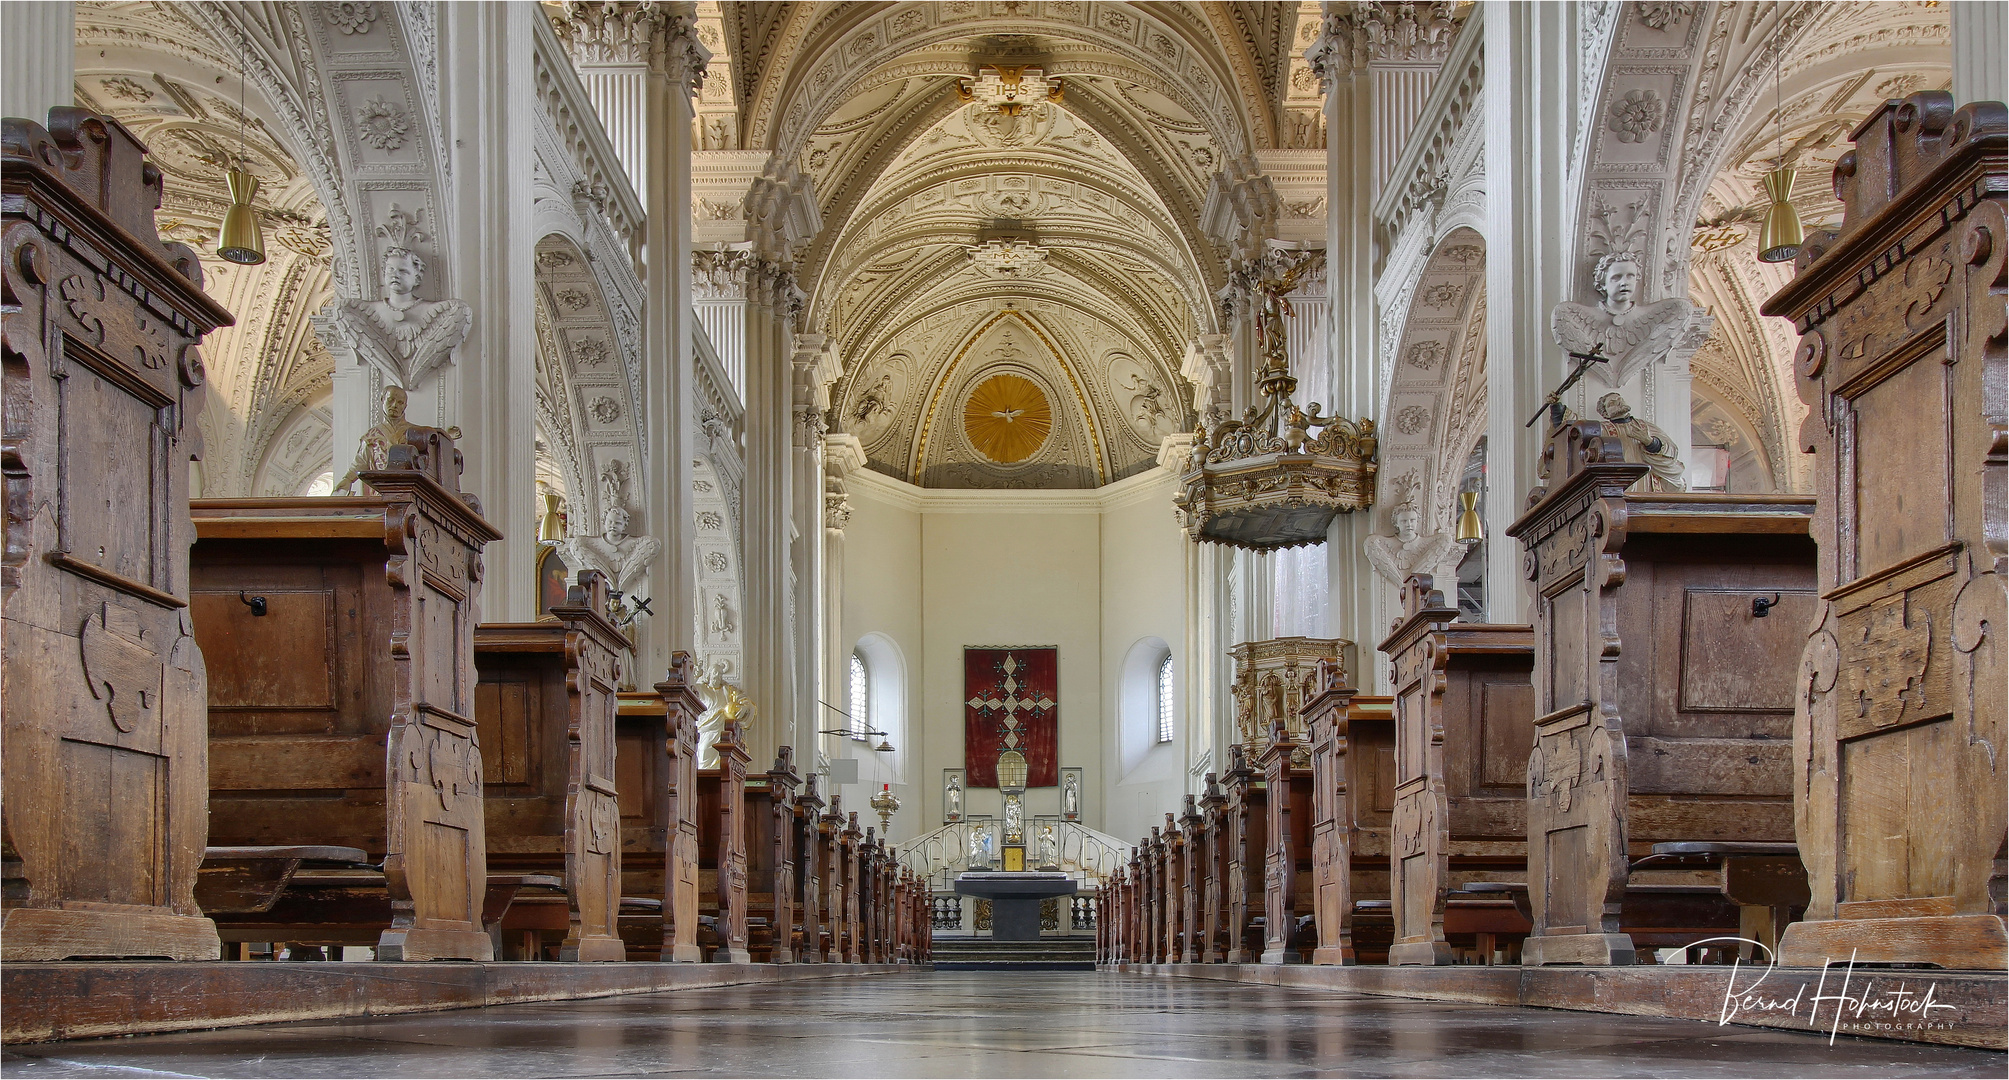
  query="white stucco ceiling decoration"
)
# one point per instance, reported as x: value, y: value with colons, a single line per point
x: 1848, y: 60
x: 1026, y: 243
x: 265, y: 427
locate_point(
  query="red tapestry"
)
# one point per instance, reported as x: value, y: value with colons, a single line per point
x: 1011, y: 700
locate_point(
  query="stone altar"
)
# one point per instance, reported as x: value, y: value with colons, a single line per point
x: 1015, y: 898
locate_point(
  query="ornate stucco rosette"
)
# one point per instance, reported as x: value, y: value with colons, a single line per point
x: 1248, y: 489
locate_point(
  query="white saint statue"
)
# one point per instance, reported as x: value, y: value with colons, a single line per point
x: 979, y: 838
x: 623, y: 558
x: 1409, y: 551
x: 405, y: 335
x: 1630, y: 333
x: 1644, y: 442
x: 1070, y: 796
x: 953, y: 799
x: 1049, y: 847
x: 724, y: 704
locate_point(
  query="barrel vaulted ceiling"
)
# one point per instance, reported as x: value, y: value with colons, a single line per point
x: 1102, y: 191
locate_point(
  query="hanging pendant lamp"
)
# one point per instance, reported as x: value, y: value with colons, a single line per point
x: 241, y: 240
x: 1780, y: 234
x: 1470, y: 529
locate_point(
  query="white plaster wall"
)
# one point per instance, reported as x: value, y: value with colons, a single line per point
x: 1089, y: 572
x: 882, y: 552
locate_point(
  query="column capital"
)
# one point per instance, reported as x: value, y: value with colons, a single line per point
x: 660, y: 35
x: 1374, y: 32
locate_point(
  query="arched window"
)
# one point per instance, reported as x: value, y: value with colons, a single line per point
x: 1165, y: 699
x: 861, y: 698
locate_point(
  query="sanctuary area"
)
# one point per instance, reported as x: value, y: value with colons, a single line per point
x: 1004, y: 537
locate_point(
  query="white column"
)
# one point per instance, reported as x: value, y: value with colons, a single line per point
x: 770, y: 394
x: 490, y: 390
x: 1980, y: 51
x: 1530, y: 117
x: 814, y: 355
x: 39, y: 68
x: 842, y: 455
x: 640, y: 65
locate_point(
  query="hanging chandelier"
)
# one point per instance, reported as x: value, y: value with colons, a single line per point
x: 1279, y: 476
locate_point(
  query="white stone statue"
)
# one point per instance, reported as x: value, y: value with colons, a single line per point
x: 623, y: 558
x: 1049, y: 847
x: 953, y: 799
x: 724, y: 704
x: 375, y: 449
x: 405, y: 335
x: 1644, y: 442
x: 1408, y: 551
x: 1070, y: 796
x: 1014, y: 823
x: 1630, y: 333
x: 977, y: 847
x: 721, y: 615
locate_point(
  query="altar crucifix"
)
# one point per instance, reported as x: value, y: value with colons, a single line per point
x: 1011, y: 703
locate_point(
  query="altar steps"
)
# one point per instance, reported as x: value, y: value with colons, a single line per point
x: 1071, y: 953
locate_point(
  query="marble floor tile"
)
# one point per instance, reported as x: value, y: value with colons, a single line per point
x: 997, y: 1024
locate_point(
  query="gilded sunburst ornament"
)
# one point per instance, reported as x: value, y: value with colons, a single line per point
x: 1007, y: 418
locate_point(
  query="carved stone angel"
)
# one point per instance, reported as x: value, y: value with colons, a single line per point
x: 405, y: 335
x: 623, y: 558
x: 1408, y: 551
x: 724, y: 704
x: 1632, y: 334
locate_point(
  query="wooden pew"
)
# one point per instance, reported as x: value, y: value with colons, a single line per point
x: 722, y: 861
x: 830, y: 856
x: 1192, y: 889
x: 1903, y: 689
x: 655, y: 762
x: 1288, y: 858
x: 340, y: 639
x: 1350, y: 805
x: 1663, y: 695
x: 851, y: 858
x: 868, y: 898
x: 103, y: 684
x: 809, y: 871
x: 545, y: 703
x: 1247, y: 836
x: 1213, y: 872
x: 1464, y: 712
x: 771, y: 861
x: 1171, y: 890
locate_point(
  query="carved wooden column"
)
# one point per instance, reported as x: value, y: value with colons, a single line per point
x: 1248, y: 824
x: 809, y: 869
x: 592, y: 812
x: 680, y: 855
x: 1419, y: 844
x: 1899, y: 729
x: 1171, y: 885
x: 1332, y: 817
x: 105, y: 694
x: 732, y: 759
x: 854, y: 949
x: 1194, y: 827
x: 1577, y: 771
x: 1284, y: 781
x: 782, y: 860
x: 1213, y: 872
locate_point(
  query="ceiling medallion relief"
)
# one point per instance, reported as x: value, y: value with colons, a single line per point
x: 1007, y: 419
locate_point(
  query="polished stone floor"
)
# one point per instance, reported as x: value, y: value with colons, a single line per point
x: 1031, y: 1024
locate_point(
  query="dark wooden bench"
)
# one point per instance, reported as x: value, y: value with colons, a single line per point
x: 771, y: 861
x: 545, y: 702
x: 339, y: 638
x: 655, y: 763
x: 722, y: 860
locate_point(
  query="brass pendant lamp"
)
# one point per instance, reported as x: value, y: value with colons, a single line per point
x: 241, y: 240
x: 1780, y: 234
